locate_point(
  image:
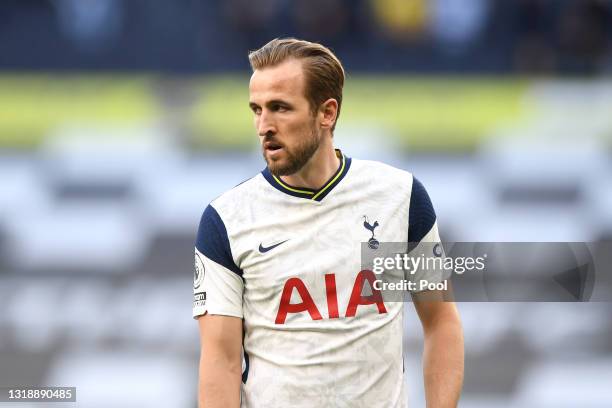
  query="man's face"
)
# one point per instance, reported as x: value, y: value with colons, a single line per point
x: 288, y: 130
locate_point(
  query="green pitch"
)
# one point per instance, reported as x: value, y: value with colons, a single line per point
x: 418, y: 113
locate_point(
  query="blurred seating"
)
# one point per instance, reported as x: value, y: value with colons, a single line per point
x: 127, y: 378
x: 76, y: 238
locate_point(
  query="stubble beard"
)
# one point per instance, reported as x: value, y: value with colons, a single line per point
x: 297, y: 157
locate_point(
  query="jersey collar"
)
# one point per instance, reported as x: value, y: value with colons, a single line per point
x: 308, y: 193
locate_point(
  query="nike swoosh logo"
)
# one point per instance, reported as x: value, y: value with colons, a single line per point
x: 263, y: 249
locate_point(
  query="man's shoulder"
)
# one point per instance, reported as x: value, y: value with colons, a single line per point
x: 238, y: 195
x: 382, y: 172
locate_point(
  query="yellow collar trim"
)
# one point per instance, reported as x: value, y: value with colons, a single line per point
x: 322, y: 190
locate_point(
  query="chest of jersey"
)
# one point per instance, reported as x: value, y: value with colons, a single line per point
x: 301, y: 260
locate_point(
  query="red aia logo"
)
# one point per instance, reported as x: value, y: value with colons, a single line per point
x: 308, y: 305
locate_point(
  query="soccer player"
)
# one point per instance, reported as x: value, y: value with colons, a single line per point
x: 278, y: 283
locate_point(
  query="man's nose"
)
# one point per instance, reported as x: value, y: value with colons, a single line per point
x: 265, y: 125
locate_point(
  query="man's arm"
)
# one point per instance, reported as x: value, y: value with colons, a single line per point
x: 220, y: 361
x: 443, y: 352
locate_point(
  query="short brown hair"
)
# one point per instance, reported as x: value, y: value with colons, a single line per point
x: 322, y: 69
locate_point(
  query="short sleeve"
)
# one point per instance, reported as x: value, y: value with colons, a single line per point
x: 424, y: 239
x: 218, y: 284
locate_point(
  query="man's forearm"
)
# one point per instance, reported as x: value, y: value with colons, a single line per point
x: 443, y: 364
x: 219, y: 384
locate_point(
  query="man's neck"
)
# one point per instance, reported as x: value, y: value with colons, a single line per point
x: 321, y: 166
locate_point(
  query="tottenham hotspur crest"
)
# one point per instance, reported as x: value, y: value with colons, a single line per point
x: 372, y: 242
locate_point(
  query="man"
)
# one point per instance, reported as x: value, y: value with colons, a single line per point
x: 278, y: 278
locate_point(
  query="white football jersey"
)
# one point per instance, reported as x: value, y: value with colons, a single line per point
x: 287, y: 261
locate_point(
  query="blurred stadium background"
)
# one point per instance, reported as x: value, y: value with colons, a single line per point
x: 120, y: 120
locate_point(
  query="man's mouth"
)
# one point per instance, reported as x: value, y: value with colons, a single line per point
x: 272, y: 146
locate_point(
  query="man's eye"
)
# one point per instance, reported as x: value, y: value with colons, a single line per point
x: 257, y: 111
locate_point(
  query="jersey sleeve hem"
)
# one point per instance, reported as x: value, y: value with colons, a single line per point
x: 202, y: 310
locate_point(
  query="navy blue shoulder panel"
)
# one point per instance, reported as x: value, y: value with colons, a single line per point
x: 213, y: 242
x: 421, y: 215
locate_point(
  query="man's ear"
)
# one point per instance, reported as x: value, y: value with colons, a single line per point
x: 328, y: 112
